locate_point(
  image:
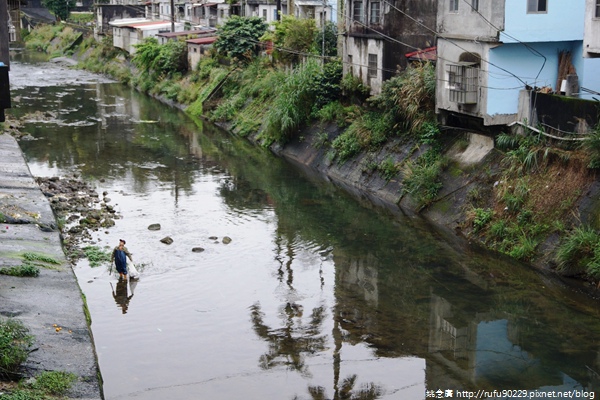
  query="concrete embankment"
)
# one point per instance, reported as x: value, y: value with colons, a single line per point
x: 51, y: 305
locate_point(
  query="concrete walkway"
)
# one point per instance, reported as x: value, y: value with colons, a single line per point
x: 52, y: 300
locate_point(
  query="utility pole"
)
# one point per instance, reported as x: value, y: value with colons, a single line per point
x: 4, y: 59
x: 323, y: 14
x: 172, y: 15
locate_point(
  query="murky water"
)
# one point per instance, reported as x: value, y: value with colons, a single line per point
x: 316, y: 296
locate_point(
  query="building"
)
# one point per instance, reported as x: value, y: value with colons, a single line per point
x: 197, y: 48
x: 127, y: 33
x: 378, y: 34
x: 489, y: 52
x: 191, y: 34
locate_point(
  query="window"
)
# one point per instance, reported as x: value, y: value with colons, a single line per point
x: 375, y: 12
x: 357, y: 11
x: 597, y: 13
x: 454, y: 6
x: 537, y: 6
x: 372, y: 71
x: 463, y: 82
x: 265, y: 14
x: 475, y: 5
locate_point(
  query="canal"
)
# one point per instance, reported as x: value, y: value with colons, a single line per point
x: 316, y: 296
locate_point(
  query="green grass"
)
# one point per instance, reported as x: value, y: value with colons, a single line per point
x: 29, y: 256
x: 46, y: 386
x: 54, y: 382
x: 15, y: 342
x: 25, y: 270
x: 96, y: 256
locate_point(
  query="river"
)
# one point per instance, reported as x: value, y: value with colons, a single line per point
x: 317, y: 296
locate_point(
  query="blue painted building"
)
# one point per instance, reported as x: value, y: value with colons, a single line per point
x: 489, y: 52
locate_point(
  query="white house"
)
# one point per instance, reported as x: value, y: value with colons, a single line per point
x: 129, y: 32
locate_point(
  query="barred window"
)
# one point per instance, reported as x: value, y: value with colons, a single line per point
x: 372, y: 71
x: 357, y: 11
x: 375, y: 12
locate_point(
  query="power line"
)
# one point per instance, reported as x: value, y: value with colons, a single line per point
x: 454, y: 43
x: 531, y: 49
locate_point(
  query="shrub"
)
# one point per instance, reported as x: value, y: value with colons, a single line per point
x: 238, y: 37
x: 15, y: 342
x: 292, y: 37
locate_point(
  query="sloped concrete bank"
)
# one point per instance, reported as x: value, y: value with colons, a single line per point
x: 474, y: 166
x: 51, y: 305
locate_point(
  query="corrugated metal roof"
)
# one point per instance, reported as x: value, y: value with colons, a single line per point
x: 204, y: 40
x: 191, y: 32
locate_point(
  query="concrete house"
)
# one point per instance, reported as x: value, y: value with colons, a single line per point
x: 197, y: 48
x: 378, y: 34
x: 488, y: 52
x: 129, y: 32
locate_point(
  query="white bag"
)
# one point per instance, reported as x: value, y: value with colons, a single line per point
x: 133, y: 272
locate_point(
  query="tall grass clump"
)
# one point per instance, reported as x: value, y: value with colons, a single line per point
x: 292, y: 105
x: 409, y: 97
x: 422, y: 179
x: 15, y: 343
x: 579, y: 252
x: 591, y: 145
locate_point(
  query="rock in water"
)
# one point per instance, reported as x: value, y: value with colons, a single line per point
x: 154, y: 227
x: 166, y: 240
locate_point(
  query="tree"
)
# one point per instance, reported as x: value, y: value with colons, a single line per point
x: 60, y: 8
x: 293, y: 36
x: 239, y: 37
x: 167, y: 59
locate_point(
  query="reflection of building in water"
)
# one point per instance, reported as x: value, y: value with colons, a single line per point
x: 471, y: 333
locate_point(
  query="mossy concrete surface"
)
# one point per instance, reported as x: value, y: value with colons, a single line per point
x: 52, y: 300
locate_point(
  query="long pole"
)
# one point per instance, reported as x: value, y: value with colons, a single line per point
x: 172, y: 15
x: 323, y: 14
x: 4, y: 52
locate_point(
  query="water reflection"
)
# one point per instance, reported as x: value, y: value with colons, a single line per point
x: 346, y: 302
x: 121, y: 294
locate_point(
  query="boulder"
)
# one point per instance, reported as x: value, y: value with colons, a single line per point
x: 226, y: 240
x: 166, y: 240
x: 197, y: 250
x: 154, y: 227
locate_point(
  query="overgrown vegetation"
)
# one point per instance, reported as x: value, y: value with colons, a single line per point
x: 48, y: 385
x: 239, y: 38
x: 25, y: 270
x: 15, y: 343
x: 96, y: 256
x: 32, y: 262
x: 275, y: 98
x: 579, y: 253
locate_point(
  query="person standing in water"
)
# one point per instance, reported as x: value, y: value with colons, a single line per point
x: 119, y: 256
